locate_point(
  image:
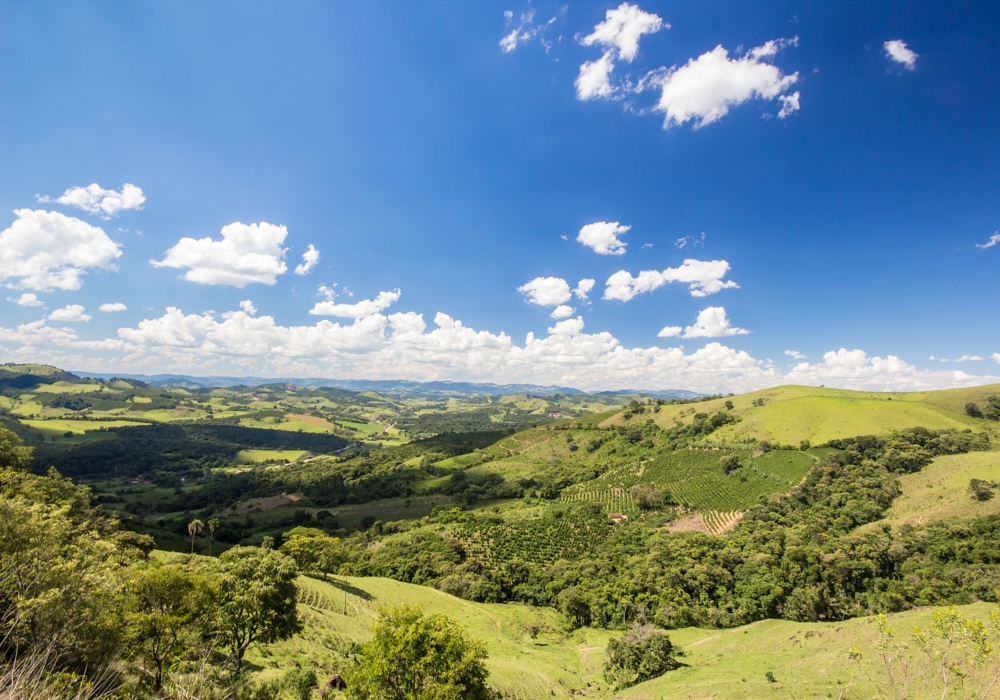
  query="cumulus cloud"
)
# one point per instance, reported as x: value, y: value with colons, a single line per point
x: 602, y: 237
x: 706, y: 88
x: 546, y: 291
x: 27, y: 299
x: 712, y: 323
x: 994, y: 239
x: 44, y: 250
x: 402, y: 345
x: 621, y: 29
x: 702, y: 277
x: 365, y: 307
x: 112, y: 307
x: 594, y: 79
x: 669, y: 332
x: 73, y: 313
x: 795, y: 354
x: 94, y: 199
x: 995, y: 357
x: 309, y: 260
x: 789, y: 104
x: 854, y: 369
x: 562, y: 311
x: 583, y: 288
x: 619, y: 34
x: 246, y: 254
x: 898, y: 52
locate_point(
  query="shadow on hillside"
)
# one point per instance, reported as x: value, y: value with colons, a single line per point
x: 348, y: 588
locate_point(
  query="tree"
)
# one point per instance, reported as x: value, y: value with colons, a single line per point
x: 730, y: 463
x: 194, y: 527
x: 973, y: 410
x: 166, y: 603
x: 314, y: 550
x: 418, y: 657
x: 257, y: 599
x: 644, y: 652
x: 213, y: 525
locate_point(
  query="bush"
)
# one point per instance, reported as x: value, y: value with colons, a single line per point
x: 730, y: 463
x: 644, y: 652
x: 981, y: 490
x: 973, y: 410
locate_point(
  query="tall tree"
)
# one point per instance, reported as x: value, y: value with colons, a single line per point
x: 257, y: 599
x: 418, y: 657
x: 194, y: 527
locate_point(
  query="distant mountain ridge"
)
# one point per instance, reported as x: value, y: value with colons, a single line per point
x: 385, y: 386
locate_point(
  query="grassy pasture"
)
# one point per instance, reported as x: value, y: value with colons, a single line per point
x: 265, y: 455
x: 940, y: 490
x: 791, y: 414
x: 809, y: 660
x: 68, y: 388
x: 77, y: 427
x: 387, y: 511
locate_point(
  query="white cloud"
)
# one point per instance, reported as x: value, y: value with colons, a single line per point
x: 583, y: 288
x: 45, y: 250
x: 524, y: 32
x: 248, y: 308
x: 245, y: 255
x: 94, y: 199
x: 854, y: 369
x: 789, y: 104
x: 713, y: 323
x: 309, y: 260
x: 594, y: 79
x: 669, y: 332
x: 995, y: 357
x: 621, y: 29
x: 602, y: 237
x: 402, y: 345
x: 546, y: 291
x: 705, y: 88
x: 73, y: 313
x: 27, y: 299
x: 702, y: 277
x: 690, y: 241
x: 619, y: 34
x: 898, y: 52
x: 963, y: 358
x: 795, y: 354
x: 112, y: 307
x: 994, y: 239
x: 365, y: 307
x: 562, y: 311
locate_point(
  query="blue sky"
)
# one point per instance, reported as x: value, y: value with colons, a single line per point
x: 454, y: 153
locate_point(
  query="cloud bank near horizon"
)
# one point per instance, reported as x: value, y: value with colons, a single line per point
x: 402, y: 345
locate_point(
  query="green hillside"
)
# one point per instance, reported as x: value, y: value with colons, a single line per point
x: 789, y: 414
x: 809, y: 660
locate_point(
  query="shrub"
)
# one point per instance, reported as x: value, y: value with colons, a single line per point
x: 644, y: 652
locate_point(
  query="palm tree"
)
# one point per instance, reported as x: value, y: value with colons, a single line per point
x: 213, y: 525
x: 194, y: 527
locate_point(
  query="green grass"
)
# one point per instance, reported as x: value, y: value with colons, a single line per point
x: 809, y: 660
x: 940, y: 490
x: 67, y: 388
x: 791, y: 414
x: 555, y: 664
x: 77, y: 427
x: 265, y: 455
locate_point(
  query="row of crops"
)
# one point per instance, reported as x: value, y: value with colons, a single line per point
x: 614, y: 500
